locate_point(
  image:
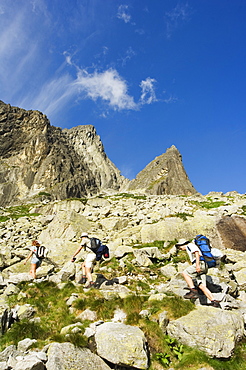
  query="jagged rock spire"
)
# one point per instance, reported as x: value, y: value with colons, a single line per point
x: 164, y: 175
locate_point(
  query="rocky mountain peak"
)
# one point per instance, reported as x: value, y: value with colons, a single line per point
x: 164, y: 175
x: 39, y: 158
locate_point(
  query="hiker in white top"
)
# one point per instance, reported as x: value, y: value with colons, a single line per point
x: 35, y: 261
x: 197, y: 271
x: 88, y: 262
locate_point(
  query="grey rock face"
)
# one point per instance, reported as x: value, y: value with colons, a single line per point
x: 220, y: 330
x: 64, y: 356
x: 39, y: 158
x: 164, y: 175
x: 87, y: 144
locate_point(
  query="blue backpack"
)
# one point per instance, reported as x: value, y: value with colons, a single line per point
x: 99, y: 249
x: 204, y: 245
x: 102, y: 251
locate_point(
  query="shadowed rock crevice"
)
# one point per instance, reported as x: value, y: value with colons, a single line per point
x: 232, y: 231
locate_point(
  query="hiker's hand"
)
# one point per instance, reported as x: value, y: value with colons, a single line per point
x: 198, y: 269
x: 73, y: 259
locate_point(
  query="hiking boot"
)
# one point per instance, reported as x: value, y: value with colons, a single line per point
x: 82, y: 280
x: 192, y: 294
x: 215, y: 304
x: 90, y: 285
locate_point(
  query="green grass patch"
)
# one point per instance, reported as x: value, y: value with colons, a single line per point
x: 17, y: 212
x: 174, y: 305
x: 50, y: 306
x: 208, y: 204
x: 43, y: 194
x: 21, y: 330
x: 127, y: 196
x: 192, y: 358
x: 96, y: 302
x: 4, y: 218
x: 184, y: 216
x: 244, y: 210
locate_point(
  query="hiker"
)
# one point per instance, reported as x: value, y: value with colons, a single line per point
x: 197, y: 271
x: 35, y: 261
x: 88, y: 262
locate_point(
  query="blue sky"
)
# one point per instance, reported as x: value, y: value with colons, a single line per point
x: 147, y: 74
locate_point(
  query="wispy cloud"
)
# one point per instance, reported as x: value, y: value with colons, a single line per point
x: 123, y: 13
x: 53, y: 96
x: 19, y: 49
x: 177, y: 16
x: 148, y: 95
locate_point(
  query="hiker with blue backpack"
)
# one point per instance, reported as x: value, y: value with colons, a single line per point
x: 96, y: 250
x: 199, y: 253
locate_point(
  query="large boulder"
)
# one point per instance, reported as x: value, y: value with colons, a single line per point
x: 122, y: 345
x: 145, y: 256
x: 175, y: 228
x: 213, y: 331
x: 64, y: 356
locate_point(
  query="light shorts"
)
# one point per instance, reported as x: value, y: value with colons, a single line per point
x: 36, y: 260
x: 90, y: 259
x: 200, y: 277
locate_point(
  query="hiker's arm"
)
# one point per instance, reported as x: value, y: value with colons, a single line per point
x: 29, y: 256
x: 198, y: 269
x: 75, y: 254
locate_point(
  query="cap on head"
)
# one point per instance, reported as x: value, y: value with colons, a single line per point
x: 84, y: 235
x: 182, y: 242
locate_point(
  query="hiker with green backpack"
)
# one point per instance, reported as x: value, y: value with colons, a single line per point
x: 197, y: 271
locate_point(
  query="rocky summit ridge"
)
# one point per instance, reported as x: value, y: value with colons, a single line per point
x: 38, y: 159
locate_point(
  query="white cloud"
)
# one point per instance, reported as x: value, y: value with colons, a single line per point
x: 108, y: 86
x: 123, y: 13
x: 148, y: 92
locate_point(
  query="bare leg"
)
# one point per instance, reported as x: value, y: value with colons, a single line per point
x: 33, y: 270
x: 207, y: 292
x: 83, y: 268
x: 188, y: 280
x: 88, y: 273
